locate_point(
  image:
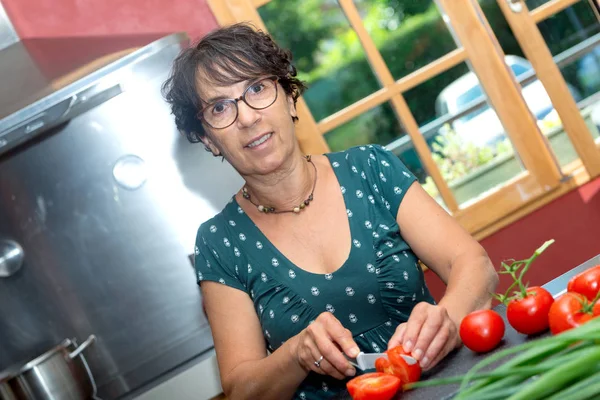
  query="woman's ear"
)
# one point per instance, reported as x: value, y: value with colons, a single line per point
x: 292, y: 107
x: 210, y: 146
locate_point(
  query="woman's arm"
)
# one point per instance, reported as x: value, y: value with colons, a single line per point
x: 458, y: 259
x: 246, y: 371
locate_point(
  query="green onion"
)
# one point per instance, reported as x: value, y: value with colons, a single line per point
x: 553, y: 380
x: 579, y: 386
x: 552, y: 368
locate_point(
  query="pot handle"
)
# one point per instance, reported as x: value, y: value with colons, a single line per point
x: 82, y: 347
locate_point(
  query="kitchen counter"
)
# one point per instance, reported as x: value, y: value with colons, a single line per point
x: 460, y: 361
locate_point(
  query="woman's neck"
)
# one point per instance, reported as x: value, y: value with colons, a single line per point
x: 284, y: 189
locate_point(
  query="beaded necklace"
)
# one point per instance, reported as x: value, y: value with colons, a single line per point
x: 272, y: 210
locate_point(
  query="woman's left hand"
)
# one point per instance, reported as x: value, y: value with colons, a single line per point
x: 429, y: 334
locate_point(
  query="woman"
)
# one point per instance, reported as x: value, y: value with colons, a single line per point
x: 316, y: 257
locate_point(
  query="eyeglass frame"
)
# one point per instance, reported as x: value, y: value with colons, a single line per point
x: 274, y: 78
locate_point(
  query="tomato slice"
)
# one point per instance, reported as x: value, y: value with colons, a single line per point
x: 586, y: 283
x: 373, y: 386
x: 397, y: 366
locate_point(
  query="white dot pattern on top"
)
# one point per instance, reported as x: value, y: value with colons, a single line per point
x: 370, y: 294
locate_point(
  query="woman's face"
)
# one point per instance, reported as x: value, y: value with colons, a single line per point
x: 258, y: 142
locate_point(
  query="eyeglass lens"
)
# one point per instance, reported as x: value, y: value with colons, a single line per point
x: 258, y: 95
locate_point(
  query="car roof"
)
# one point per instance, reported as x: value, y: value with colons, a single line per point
x: 469, y: 80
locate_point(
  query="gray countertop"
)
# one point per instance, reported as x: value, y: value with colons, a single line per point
x: 461, y: 360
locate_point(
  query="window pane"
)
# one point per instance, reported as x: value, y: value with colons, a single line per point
x: 327, y: 52
x: 563, y: 33
x: 471, y: 148
x: 533, y: 4
x: 408, y: 34
x: 378, y: 125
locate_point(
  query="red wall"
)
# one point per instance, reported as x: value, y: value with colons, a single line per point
x: 573, y: 220
x: 52, y: 18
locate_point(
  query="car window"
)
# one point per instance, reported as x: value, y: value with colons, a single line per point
x: 467, y: 97
x: 518, y: 69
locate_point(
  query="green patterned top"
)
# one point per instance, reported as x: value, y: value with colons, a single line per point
x: 370, y: 294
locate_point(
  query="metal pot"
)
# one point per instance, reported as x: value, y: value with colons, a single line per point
x: 61, y: 373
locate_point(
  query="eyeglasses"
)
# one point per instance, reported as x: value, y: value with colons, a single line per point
x: 223, y: 113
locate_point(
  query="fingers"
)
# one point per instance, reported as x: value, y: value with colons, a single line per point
x: 435, y: 360
x: 398, y: 337
x: 322, y: 338
x: 337, y: 335
x: 415, y: 322
x: 340, y: 335
x: 439, y: 346
x: 431, y: 328
x: 324, y: 367
x: 429, y: 334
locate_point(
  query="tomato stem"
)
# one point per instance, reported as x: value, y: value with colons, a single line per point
x: 521, y: 266
x: 593, y: 303
x: 587, y: 307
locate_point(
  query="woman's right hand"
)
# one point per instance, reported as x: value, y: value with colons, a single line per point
x: 325, y: 337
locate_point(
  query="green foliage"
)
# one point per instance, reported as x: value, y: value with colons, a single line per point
x: 457, y: 158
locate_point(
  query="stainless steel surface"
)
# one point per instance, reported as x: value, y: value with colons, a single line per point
x: 11, y: 258
x: 82, y: 346
x: 8, y: 35
x: 59, y: 374
x: 49, y: 81
x: 104, y: 258
x: 366, y: 361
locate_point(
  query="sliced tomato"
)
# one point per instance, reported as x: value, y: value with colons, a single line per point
x: 570, y: 311
x: 373, y: 386
x: 397, y: 366
x: 529, y: 315
x: 587, y: 283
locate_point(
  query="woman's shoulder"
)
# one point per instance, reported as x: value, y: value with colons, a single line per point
x: 219, y: 223
x: 363, y: 159
x: 358, y: 154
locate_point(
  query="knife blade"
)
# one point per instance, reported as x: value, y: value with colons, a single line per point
x: 366, y: 361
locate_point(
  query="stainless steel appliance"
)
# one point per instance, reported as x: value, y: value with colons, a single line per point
x: 61, y: 373
x: 104, y: 198
x: 8, y: 35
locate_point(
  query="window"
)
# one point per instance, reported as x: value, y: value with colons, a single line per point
x: 428, y: 83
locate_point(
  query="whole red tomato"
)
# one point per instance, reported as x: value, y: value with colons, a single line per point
x: 373, y: 386
x: 529, y: 314
x: 482, y: 330
x: 397, y: 366
x: 587, y: 283
x: 571, y: 310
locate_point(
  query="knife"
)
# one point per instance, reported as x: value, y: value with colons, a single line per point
x: 366, y: 361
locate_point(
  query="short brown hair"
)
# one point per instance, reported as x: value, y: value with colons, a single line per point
x: 226, y: 56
